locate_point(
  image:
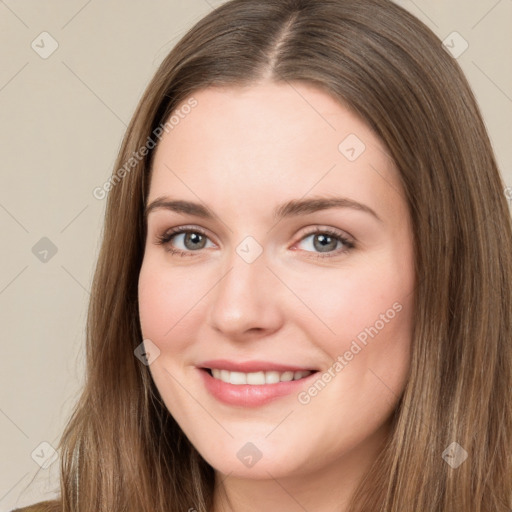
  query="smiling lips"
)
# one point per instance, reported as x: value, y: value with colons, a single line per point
x: 253, y: 383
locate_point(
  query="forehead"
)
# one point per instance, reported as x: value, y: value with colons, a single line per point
x: 271, y: 140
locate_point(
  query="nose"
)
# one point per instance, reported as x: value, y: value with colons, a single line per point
x: 246, y: 302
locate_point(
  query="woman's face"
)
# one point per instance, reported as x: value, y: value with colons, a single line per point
x: 295, y: 262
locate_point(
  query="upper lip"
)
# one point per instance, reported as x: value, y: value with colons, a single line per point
x: 251, y: 366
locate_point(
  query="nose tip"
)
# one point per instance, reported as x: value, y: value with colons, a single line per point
x: 242, y: 302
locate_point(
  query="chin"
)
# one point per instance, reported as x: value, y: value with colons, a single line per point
x: 256, y: 459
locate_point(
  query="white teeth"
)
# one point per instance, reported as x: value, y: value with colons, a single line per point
x: 258, y: 378
x: 271, y: 377
x: 237, y: 378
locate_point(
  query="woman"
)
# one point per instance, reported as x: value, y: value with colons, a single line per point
x: 303, y: 296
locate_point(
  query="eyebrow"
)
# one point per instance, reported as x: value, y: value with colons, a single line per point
x: 292, y: 208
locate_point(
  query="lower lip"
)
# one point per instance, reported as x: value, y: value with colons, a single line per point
x: 249, y: 395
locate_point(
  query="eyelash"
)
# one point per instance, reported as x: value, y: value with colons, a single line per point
x: 165, y: 238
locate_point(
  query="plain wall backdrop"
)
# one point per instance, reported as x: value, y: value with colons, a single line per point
x: 71, y: 75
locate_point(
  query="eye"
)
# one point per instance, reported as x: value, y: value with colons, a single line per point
x: 326, y: 243
x: 184, y: 240
x: 323, y: 242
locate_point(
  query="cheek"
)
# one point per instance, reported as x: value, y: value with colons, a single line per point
x: 169, y: 303
x: 351, y: 300
x: 154, y: 302
x: 169, y: 312
x: 369, y: 312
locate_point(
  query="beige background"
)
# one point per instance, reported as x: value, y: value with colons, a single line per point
x: 62, y: 120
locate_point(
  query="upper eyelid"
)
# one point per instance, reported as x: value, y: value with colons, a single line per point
x: 323, y: 228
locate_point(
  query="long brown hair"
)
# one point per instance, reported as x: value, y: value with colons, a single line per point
x: 122, y: 450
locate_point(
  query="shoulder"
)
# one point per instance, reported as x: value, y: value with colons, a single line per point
x: 43, y: 506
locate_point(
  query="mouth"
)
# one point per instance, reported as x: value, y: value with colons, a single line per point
x: 259, y: 378
x: 253, y: 384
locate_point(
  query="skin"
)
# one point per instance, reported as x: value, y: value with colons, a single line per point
x: 241, y: 152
